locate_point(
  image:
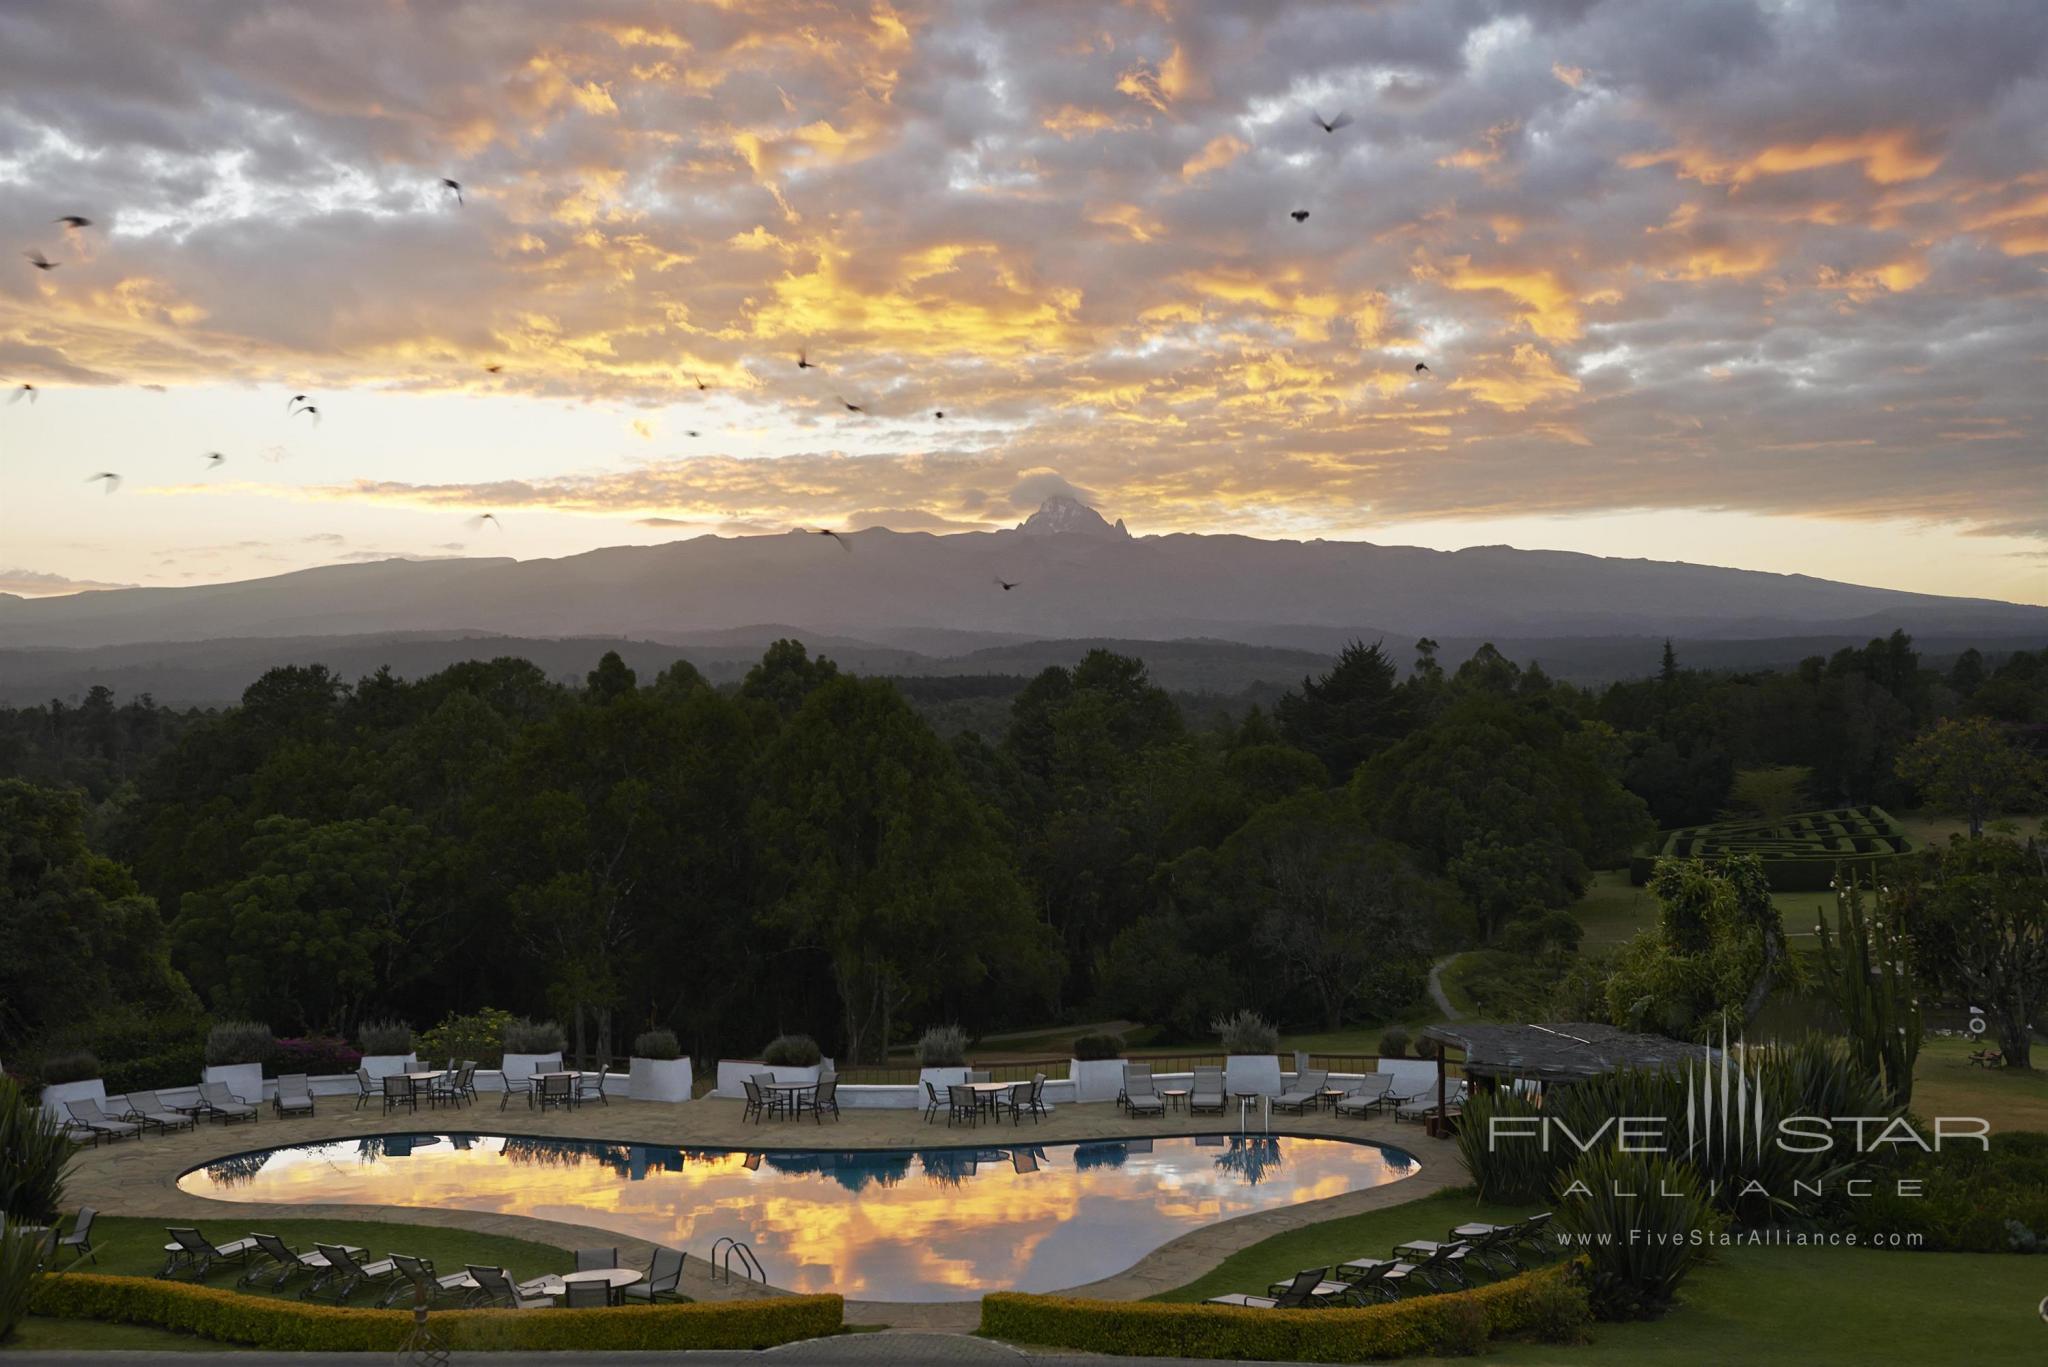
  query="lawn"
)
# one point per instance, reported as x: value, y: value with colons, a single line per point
x: 1946, y: 1083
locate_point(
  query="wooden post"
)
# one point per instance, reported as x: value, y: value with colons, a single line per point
x: 1441, y: 1050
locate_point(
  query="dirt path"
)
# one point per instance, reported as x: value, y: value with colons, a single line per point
x: 1436, y: 989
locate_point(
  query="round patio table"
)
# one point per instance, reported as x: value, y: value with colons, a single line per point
x: 617, y: 1279
x: 794, y: 1106
x: 1176, y: 1097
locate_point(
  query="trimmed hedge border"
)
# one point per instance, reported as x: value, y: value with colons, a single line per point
x: 226, y: 1316
x: 1153, y: 1329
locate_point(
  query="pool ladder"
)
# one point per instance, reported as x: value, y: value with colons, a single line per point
x: 750, y: 1266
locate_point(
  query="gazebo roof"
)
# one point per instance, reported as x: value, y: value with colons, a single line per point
x: 1571, y: 1052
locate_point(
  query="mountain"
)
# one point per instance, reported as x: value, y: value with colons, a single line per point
x: 1076, y: 575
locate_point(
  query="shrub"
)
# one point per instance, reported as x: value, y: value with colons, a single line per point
x: 1247, y: 1032
x: 1087, y: 1047
x: 238, y: 1042
x: 35, y: 1158
x: 1636, y: 1219
x: 1510, y: 1172
x: 523, y: 1036
x: 1393, y: 1042
x: 19, y: 1266
x: 1466, y: 1329
x: 942, y: 1046
x: 77, y: 1065
x: 317, y: 1055
x: 385, y: 1037
x: 139, y: 1048
x: 792, y: 1051
x: 228, y: 1316
x: 1424, y: 1326
x: 479, y: 1035
x: 1970, y: 1201
x: 657, y: 1044
x: 1560, y: 1311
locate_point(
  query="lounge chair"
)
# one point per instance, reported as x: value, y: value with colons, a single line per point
x: 594, y: 1259
x: 87, y: 1118
x: 1306, y: 1092
x: 294, y: 1095
x: 586, y: 1295
x: 1533, y: 1232
x: 345, y: 1272
x: 79, y: 1240
x: 1206, y: 1095
x: 1139, y: 1097
x: 494, y: 1287
x: 146, y: 1108
x: 1310, y: 1286
x: 824, y: 1097
x: 1365, y: 1098
x: 191, y: 1251
x: 591, y: 1084
x: 1408, y: 1095
x: 664, y: 1275
x: 1140, y: 1073
x: 417, y: 1280
x: 1429, y: 1261
x: 222, y: 1104
x: 400, y: 1090
x: 1424, y: 1106
x: 962, y: 1103
x: 285, y: 1262
x: 1368, y: 1279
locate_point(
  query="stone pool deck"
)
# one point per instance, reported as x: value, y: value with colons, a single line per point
x: 139, y: 1177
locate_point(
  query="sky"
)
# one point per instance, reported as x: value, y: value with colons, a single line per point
x: 1750, y: 284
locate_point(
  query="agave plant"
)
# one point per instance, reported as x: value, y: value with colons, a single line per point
x: 20, y: 1265
x: 1643, y: 1223
x: 35, y: 1158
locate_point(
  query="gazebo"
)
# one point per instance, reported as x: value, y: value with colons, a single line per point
x: 1570, y: 1052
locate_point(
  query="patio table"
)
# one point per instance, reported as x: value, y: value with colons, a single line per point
x: 1176, y: 1097
x: 616, y: 1279
x: 793, y: 1107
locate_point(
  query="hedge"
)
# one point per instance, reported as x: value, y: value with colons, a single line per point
x: 1406, y: 1328
x: 1802, y: 852
x: 297, y: 1326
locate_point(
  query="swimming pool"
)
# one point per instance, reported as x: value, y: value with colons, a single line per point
x: 896, y: 1225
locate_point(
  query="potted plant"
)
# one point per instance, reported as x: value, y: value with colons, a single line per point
x: 387, y: 1047
x: 532, y: 1047
x: 1251, y: 1047
x: 235, y: 1054
x: 795, y: 1058
x: 942, y: 1057
x: 71, y: 1076
x: 659, y: 1070
x: 1097, y: 1068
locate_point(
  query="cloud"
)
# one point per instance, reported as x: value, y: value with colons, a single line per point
x: 42, y: 584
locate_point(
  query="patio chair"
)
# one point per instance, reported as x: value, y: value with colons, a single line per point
x: 1134, y: 1072
x: 1307, y: 1091
x: 516, y: 1086
x: 294, y: 1095
x: 400, y: 1090
x: 191, y: 1251
x: 416, y: 1280
x: 1368, y: 1279
x: 1139, y: 1097
x: 932, y: 1102
x: 1407, y: 1096
x: 825, y: 1097
x: 88, y: 1118
x: 593, y: 1259
x: 590, y: 1085
x: 494, y: 1287
x: 285, y: 1262
x: 364, y: 1092
x: 222, y: 1104
x: 586, y: 1296
x: 79, y: 1240
x: 1424, y: 1106
x: 1308, y: 1286
x: 146, y: 1108
x: 664, y: 1275
x: 775, y: 1100
x: 1533, y: 1232
x: 1431, y: 1260
x: 465, y: 1080
x: 345, y: 1272
x: 1366, y: 1097
x: 556, y: 1089
x: 1016, y: 1101
x: 1206, y: 1094
x: 962, y: 1103
x: 756, y: 1107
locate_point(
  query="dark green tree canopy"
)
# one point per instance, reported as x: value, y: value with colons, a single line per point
x: 1348, y: 715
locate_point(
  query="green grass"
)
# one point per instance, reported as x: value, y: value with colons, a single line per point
x: 134, y: 1247
x: 1613, y: 911
x: 37, y: 1334
x: 1945, y: 1082
x: 1369, y: 1235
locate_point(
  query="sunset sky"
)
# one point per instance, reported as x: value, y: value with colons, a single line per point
x: 1762, y: 285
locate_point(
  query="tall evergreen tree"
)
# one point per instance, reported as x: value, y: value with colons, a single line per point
x: 1349, y: 714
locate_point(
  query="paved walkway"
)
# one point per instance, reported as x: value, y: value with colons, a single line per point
x: 139, y: 1178
x: 1436, y: 989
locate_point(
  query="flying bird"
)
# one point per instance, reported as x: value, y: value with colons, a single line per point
x: 850, y: 407
x: 940, y: 414
x: 314, y: 411
x: 215, y: 459
x: 1299, y: 215
x: 454, y: 185
x: 476, y: 523
x: 700, y: 382
x: 1420, y: 367
x: 1007, y: 585
x: 27, y: 391
x: 73, y: 221
x: 827, y: 531
x: 293, y: 402
x: 1332, y: 125
x: 693, y: 433
x: 41, y: 262
x: 113, y: 480
x: 492, y: 369
x: 803, y: 360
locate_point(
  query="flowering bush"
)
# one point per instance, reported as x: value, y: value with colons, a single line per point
x: 315, y: 1054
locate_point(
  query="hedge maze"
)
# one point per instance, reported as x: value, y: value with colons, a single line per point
x: 1800, y: 852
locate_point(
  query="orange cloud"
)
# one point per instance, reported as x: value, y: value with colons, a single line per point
x: 1527, y: 377
x: 1887, y: 158
x: 1220, y: 152
x: 1550, y: 309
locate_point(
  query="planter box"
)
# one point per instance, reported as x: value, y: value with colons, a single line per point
x: 941, y: 1078
x: 881, y: 1097
x: 381, y: 1066
x: 1252, y: 1073
x: 244, y: 1080
x: 1096, y: 1079
x: 57, y: 1093
x: 660, y: 1079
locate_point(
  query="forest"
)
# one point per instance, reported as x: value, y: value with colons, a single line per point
x: 804, y: 852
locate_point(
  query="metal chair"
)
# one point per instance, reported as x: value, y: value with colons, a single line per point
x: 593, y: 1259
x: 400, y: 1091
x: 664, y: 1275
x: 586, y: 1295
x: 79, y: 1240
x: 556, y: 1089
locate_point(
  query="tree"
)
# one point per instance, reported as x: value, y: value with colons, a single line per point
x: 1716, y: 955
x: 1349, y: 714
x: 1980, y: 921
x: 1969, y: 766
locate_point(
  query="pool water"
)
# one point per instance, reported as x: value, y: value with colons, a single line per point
x: 896, y: 1225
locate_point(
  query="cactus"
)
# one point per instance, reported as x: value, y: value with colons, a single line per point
x: 1867, y: 962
